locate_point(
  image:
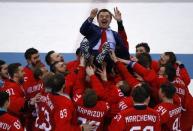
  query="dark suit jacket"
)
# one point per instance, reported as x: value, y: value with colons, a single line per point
x: 93, y: 33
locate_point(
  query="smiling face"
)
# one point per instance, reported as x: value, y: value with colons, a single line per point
x: 104, y: 19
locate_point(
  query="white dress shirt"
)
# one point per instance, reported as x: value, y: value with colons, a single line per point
x: 110, y: 40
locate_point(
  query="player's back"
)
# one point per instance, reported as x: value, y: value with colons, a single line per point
x: 9, y: 123
x: 17, y: 98
x: 170, y: 116
x: 94, y: 114
x: 138, y: 117
x: 125, y: 103
x: 63, y: 114
x: 44, y: 109
x: 14, y: 89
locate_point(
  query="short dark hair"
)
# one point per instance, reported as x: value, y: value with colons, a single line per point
x: 2, y: 62
x: 4, y: 96
x: 37, y: 72
x: 47, y: 80
x: 29, y: 52
x: 89, y: 98
x: 140, y: 93
x: 78, y: 52
x: 57, y: 82
x: 172, y: 57
x: 170, y: 71
x: 125, y: 88
x: 145, y: 60
x: 48, y: 57
x: 104, y: 10
x: 168, y: 89
x: 13, y: 68
x: 145, y: 45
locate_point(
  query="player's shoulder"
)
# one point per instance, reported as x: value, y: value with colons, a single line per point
x: 166, y: 106
x: 153, y: 111
x: 7, y: 116
x: 62, y: 100
x: 102, y: 105
x: 127, y: 100
x: 127, y: 112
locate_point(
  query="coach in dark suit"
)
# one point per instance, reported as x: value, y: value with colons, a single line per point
x: 94, y: 33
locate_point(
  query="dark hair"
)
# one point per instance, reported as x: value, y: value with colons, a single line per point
x: 125, y: 89
x: 48, y: 57
x: 172, y: 57
x: 13, y: 68
x: 53, y: 66
x: 104, y: 10
x: 2, y: 62
x: 140, y: 93
x: 57, y: 82
x: 170, y: 71
x: 47, y: 80
x: 4, y: 96
x: 145, y: 45
x: 89, y: 98
x: 168, y: 89
x: 29, y: 52
x: 145, y: 60
x: 78, y: 52
x: 37, y: 73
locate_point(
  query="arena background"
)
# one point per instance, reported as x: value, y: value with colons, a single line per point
x: 167, y: 25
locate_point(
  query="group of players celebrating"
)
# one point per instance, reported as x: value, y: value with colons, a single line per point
x: 104, y: 88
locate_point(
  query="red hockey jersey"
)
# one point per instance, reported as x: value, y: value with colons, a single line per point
x: 170, y: 116
x: 136, y: 118
x: 9, y: 123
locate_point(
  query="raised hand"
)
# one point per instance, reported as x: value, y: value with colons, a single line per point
x: 117, y: 14
x: 35, y: 99
x: 89, y: 71
x: 88, y: 126
x: 103, y: 72
x: 93, y: 13
x: 82, y: 61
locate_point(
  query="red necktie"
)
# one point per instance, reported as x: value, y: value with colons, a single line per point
x: 103, y: 39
